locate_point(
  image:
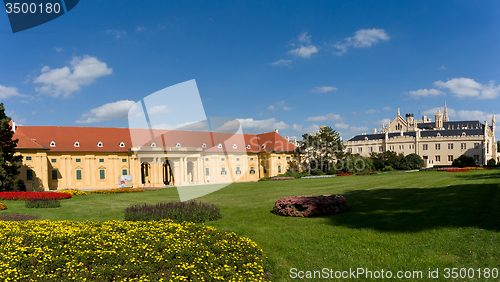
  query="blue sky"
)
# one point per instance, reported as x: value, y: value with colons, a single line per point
x: 288, y: 65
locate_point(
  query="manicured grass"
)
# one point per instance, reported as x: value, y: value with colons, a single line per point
x: 399, y: 221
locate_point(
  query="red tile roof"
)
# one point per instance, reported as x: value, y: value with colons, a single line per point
x: 25, y: 142
x: 65, y: 137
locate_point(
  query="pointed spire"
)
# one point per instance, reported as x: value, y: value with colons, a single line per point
x: 398, y: 112
x: 445, y: 118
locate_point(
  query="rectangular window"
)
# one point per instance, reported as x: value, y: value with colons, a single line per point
x: 101, y: 160
x: 78, y: 174
x: 78, y: 160
x: 476, y: 158
x: 223, y: 171
x: 206, y: 159
x: 207, y: 171
x: 349, y: 150
x: 53, y: 160
x: 28, y: 158
x: 450, y: 146
x: 237, y: 159
x: 124, y: 172
x: 124, y: 160
x: 450, y: 158
x: 438, y: 146
x: 287, y: 158
x: 380, y: 148
x: 438, y: 158
x: 279, y: 169
x: 251, y: 159
x: 279, y: 158
x: 360, y: 150
x: 476, y: 145
x: 238, y: 171
x: 463, y: 146
x: 29, y: 174
x: 425, y: 147
x: 265, y: 169
x: 54, y: 174
x: 102, y: 174
x: 252, y: 171
x: 370, y: 149
x: 222, y: 159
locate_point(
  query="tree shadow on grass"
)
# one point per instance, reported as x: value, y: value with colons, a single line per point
x: 488, y: 174
x: 417, y: 209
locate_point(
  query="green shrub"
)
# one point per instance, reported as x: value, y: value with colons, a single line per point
x: 464, y: 161
x: 387, y: 168
x: 264, y: 179
x: 42, y: 203
x: 317, y: 172
x: 191, y: 211
x: 491, y: 163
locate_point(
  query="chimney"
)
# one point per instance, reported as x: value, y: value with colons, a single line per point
x: 276, y: 130
x: 288, y: 139
x: 424, y: 118
x: 294, y: 140
x: 374, y: 131
x: 14, y: 126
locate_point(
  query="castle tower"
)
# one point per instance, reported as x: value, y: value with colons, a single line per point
x: 439, y: 119
x: 493, y: 123
x: 445, y: 118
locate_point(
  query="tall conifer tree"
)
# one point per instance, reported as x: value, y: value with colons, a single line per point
x: 9, y: 164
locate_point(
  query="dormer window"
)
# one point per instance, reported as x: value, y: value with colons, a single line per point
x: 52, y: 144
x: 463, y: 134
x: 178, y: 145
x: 219, y: 146
x: 153, y: 145
x: 263, y: 146
x: 248, y: 146
x: 204, y: 145
x: 122, y: 145
x: 99, y: 144
x: 439, y: 135
x: 234, y: 146
x: 76, y: 144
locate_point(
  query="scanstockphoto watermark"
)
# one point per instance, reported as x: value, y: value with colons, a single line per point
x: 345, y: 164
x: 366, y: 273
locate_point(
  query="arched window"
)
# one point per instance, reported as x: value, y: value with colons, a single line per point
x: 76, y: 144
x: 219, y: 146
x: 234, y: 146
x: 52, y: 144
x: 153, y: 145
x: 204, y: 145
x: 178, y: 145
x: 248, y: 146
x: 99, y: 144
x: 122, y: 145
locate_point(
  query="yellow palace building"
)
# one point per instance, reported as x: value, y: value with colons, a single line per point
x: 58, y: 157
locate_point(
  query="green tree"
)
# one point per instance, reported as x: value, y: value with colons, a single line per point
x: 414, y: 161
x: 498, y: 146
x: 491, y: 162
x: 9, y: 163
x: 320, y: 150
x: 464, y: 161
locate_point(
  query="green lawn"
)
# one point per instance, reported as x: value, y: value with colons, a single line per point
x: 399, y: 221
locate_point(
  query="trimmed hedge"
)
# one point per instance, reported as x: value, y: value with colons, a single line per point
x: 307, y: 206
x: 191, y: 211
x: 42, y: 203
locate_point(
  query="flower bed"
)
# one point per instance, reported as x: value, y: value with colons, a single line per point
x: 477, y: 168
x: 306, y: 206
x: 459, y: 169
x: 178, y: 212
x: 33, y: 195
x: 117, y: 190
x: 42, y: 203
x: 73, y: 192
x: 148, y: 188
x: 53, y: 251
x: 343, y: 174
x: 282, y: 178
x: 317, y: 176
x: 2, y: 207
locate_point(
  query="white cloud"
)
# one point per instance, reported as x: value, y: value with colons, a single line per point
x: 466, y: 87
x: 330, y: 116
x: 15, y: 117
x: 379, y: 122
x: 310, y: 129
x: 251, y: 125
x: 9, y: 92
x: 285, y: 108
x: 353, y: 130
x: 160, y: 109
x: 425, y: 93
x: 66, y: 80
x: 34, y: 112
x: 58, y: 49
x: 139, y: 28
x: 193, y: 126
x: 341, y: 125
x: 323, y: 89
x: 363, y: 38
x: 473, y: 115
x: 282, y: 62
x: 431, y: 112
x: 271, y: 107
x: 372, y: 111
x: 305, y: 38
x: 304, y: 51
x: 111, y: 111
x: 442, y: 68
x: 277, y: 105
x: 117, y: 33
x: 386, y: 108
